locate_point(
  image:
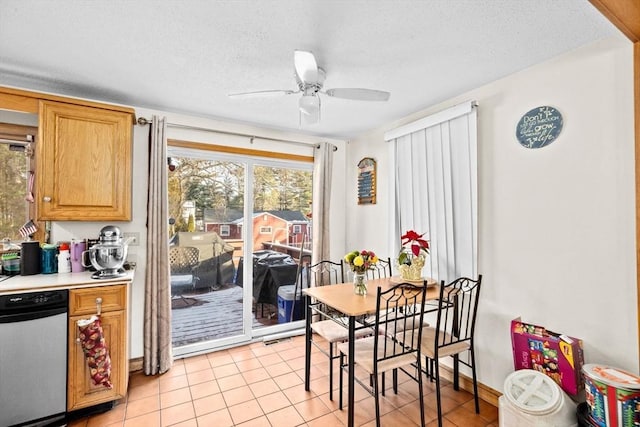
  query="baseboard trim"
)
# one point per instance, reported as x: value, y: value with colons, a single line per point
x: 135, y: 364
x: 485, y: 393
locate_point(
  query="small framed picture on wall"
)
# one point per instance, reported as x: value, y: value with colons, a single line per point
x: 367, y: 181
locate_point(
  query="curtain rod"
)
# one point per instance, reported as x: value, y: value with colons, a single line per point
x: 143, y: 121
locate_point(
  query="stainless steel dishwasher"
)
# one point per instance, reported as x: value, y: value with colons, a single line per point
x: 33, y: 358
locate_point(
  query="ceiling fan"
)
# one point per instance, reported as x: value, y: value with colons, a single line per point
x: 310, y: 79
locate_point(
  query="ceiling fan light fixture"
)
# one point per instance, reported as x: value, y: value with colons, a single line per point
x: 309, y: 105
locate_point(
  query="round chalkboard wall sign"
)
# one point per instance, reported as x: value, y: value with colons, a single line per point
x: 539, y: 127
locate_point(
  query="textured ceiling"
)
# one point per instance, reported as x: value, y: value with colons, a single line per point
x: 186, y: 56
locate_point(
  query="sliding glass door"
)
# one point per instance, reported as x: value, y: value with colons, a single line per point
x: 238, y: 225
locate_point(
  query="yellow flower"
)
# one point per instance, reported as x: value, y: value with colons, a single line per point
x: 361, y: 261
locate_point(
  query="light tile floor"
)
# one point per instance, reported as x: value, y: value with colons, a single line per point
x: 263, y: 385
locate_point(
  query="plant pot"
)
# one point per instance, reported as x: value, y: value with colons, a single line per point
x: 410, y: 266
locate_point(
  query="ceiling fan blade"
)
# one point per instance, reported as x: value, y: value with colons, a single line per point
x: 261, y: 93
x: 306, y: 66
x: 359, y: 94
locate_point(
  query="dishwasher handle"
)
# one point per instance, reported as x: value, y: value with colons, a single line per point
x: 32, y: 315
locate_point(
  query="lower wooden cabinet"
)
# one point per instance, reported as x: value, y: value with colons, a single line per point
x: 111, y: 301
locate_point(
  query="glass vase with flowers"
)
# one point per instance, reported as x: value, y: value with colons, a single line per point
x: 413, y: 255
x: 360, y: 262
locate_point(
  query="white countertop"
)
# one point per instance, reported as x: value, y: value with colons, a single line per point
x: 41, y: 282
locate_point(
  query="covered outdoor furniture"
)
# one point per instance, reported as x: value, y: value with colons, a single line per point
x: 271, y: 270
x: 183, y: 261
x: 215, y: 257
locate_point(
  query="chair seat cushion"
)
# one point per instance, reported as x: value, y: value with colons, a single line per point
x: 429, y: 341
x: 333, y: 332
x: 364, y: 354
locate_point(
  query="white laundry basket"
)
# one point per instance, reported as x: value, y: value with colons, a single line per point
x: 532, y: 399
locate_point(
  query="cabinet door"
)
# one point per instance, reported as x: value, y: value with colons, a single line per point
x: 83, y: 163
x: 81, y: 392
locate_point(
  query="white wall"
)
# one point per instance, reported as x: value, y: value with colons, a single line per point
x: 67, y: 230
x: 557, y: 224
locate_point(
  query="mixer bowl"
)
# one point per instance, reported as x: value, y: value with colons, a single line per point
x: 108, y: 259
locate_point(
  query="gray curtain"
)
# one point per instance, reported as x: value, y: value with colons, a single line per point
x: 157, y: 298
x: 322, y: 166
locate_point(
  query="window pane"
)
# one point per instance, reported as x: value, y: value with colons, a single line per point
x: 206, y: 203
x: 13, y: 185
x: 283, y: 196
x: 200, y: 191
x: 207, y: 208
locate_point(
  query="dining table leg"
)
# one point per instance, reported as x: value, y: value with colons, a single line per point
x: 351, y: 376
x: 307, y: 343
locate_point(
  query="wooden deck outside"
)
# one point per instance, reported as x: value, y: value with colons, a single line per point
x: 213, y: 315
x: 205, y: 314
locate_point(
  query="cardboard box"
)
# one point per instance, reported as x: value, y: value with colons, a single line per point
x: 558, y: 356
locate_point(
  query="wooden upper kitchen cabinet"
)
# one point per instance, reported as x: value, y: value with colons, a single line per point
x: 83, y: 163
x: 83, y: 303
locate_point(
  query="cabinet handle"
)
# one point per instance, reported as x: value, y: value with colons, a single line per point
x: 99, y: 305
x: 46, y: 199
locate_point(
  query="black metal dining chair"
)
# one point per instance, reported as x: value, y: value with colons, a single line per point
x: 398, y: 348
x: 453, y: 333
x: 332, y: 328
x: 380, y: 270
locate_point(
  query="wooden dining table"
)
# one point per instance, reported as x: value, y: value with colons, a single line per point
x: 342, y: 298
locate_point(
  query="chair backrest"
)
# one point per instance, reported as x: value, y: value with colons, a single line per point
x: 380, y: 270
x: 322, y: 273
x: 458, y: 305
x: 183, y: 259
x: 399, y: 312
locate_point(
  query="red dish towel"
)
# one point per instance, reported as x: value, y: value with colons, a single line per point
x: 95, y: 350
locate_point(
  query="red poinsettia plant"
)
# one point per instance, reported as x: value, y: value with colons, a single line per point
x: 415, y: 243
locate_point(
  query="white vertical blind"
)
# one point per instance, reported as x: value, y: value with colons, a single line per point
x: 435, y: 188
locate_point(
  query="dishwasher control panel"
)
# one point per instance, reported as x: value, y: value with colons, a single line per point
x: 31, y: 301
